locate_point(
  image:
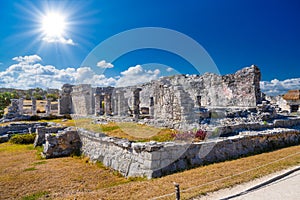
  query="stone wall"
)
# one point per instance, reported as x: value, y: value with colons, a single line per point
x: 82, y: 100
x: 177, y: 99
x: 20, y: 127
x: 154, y: 159
x: 65, y: 100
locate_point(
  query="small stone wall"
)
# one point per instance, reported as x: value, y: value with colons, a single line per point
x: 277, y: 123
x: 20, y: 127
x: 154, y: 159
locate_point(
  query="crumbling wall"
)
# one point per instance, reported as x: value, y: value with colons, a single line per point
x: 174, y: 99
x: 83, y: 102
x: 61, y: 144
x: 178, y: 98
x: 65, y: 100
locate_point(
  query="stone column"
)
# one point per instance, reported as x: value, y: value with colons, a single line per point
x: 48, y: 107
x: 107, y: 104
x: 115, y: 105
x: 33, y: 107
x: 21, y: 111
x: 151, y: 107
x: 98, y: 104
x: 120, y: 102
x: 136, y: 103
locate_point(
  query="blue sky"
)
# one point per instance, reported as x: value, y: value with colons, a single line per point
x: 235, y: 33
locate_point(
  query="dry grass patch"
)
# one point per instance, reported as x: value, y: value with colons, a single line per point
x: 128, y: 130
x: 69, y: 178
x: 229, y: 173
x: 23, y: 174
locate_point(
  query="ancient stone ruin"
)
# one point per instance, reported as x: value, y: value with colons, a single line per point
x: 176, y: 100
x: 238, y: 119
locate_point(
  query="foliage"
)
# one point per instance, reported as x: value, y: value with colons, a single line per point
x: 54, y: 97
x: 23, y: 138
x: 38, y: 96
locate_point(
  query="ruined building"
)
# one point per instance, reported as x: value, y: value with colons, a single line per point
x: 175, y: 99
x: 293, y: 100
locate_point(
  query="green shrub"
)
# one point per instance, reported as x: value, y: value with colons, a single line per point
x: 35, y: 196
x: 23, y: 138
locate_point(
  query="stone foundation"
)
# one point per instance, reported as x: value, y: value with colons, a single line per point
x: 156, y: 159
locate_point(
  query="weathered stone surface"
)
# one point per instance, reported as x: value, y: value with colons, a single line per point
x: 170, y: 101
x: 63, y: 143
x: 41, y: 131
x: 33, y: 106
x: 13, y: 110
x: 20, y: 127
x: 65, y: 100
x: 154, y: 159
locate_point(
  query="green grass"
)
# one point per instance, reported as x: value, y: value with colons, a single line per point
x: 39, y: 163
x: 35, y: 196
x: 30, y: 169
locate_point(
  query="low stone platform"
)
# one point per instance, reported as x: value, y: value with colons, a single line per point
x: 154, y: 159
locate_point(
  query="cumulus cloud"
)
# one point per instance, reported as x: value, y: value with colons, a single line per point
x: 169, y: 69
x: 276, y: 87
x: 137, y: 75
x: 27, y: 59
x: 105, y: 65
x: 29, y: 73
x: 60, y: 39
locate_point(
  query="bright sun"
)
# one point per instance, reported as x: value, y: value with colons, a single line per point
x: 53, y: 25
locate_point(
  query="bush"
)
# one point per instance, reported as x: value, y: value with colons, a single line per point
x: 23, y: 138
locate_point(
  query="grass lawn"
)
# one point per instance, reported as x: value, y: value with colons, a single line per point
x: 23, y: 175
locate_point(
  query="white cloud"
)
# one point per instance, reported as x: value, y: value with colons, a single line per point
x: 103, y: 64
x: 169, y: 69
x: 58, y: 39
x: 29, y: 73
x: 276, y: 87
x: 27, y: 59
x: 137, y: 75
